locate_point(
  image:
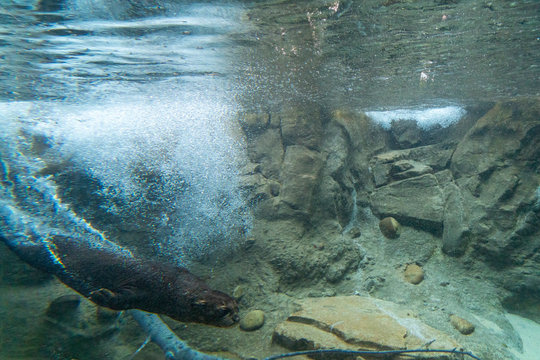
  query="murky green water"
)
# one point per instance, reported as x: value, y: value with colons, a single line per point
x: 229, y: 137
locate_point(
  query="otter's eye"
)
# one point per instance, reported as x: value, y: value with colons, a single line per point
x: 200, y: 303
x: 222, y: 312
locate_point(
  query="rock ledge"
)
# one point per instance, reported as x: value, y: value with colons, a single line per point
x: 354, y: 322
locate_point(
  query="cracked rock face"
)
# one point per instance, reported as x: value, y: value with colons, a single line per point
x: 475, y: 189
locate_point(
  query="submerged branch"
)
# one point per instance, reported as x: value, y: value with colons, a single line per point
x: 166, y: 339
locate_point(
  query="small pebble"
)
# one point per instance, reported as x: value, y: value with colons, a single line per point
x: 252, y: 321
x: 461, y: 325
x: 355, y: 232
x: 238, y: 292
x: 414, y: 274
x: 390, y: 227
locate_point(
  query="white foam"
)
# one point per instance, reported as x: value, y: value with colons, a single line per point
x: 426, y: 118
x: 529, y: 331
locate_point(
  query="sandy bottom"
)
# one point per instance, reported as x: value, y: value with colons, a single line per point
x: 530, y: 334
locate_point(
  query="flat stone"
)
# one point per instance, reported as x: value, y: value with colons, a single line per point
x: 400, y: 164
x: 298, y: 336
x: 348, y: 322
x: 404, y: 169
x: 417, y: 201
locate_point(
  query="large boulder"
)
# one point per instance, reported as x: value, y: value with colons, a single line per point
x: 406, y: 133
x: 455, y: 222
x: 349, y: 139
x: 302, y: 126
x: 495, y: 167
x: 299, y: 176
x: 253, y: 124
x: 417, y: 201
x: 353, y: 322
x: 267, y: 150
x: 401, y: 164
x: 507, y: 134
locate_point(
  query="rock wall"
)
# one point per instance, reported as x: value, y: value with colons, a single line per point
x: 474, y: 185
x: 496, y: 170
x: 304, y: 164
x: 478, y: 192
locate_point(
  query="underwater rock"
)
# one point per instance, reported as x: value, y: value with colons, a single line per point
x: 390, y: 227
x: 461, y: 325
x: 406, y: 133
x: 333, y: 199
x: 258, y: 187
x: 105, y: 315
x: 267, y: 150
x: 238, y: 292
x: 298, y: 262
x: 404, y: 169
x: 63, y: 305
x: 416, y: 202
x: 413, y: 274
x: 508, y: 131
x: 496, y: 167
x: 345, y: 321
x: 302, y: 126
x: 253, y: 320
x: 354, y: 232
x: 455, y: 222
x: 360, y: 130
x: 254, y: 123
x: 299, y: 176
x: 401, y: 164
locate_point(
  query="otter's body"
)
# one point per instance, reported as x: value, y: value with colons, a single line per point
x: 114, y: 278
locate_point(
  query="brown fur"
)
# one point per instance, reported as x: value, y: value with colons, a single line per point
x: 120, y: 281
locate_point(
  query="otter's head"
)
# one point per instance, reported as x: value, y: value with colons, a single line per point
x: 215, y: 308
x: 188, y: 298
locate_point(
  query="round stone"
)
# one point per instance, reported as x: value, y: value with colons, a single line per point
x: 390, y: 227
x: 238, y: 292
x: 252, y: 321
x: 413, y: 274
x: 63, y: 305
x: 463, y: 326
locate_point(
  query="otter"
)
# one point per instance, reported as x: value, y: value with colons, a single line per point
x: 112, y: 277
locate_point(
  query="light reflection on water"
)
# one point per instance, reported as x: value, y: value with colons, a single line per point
x: 123, y: 83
